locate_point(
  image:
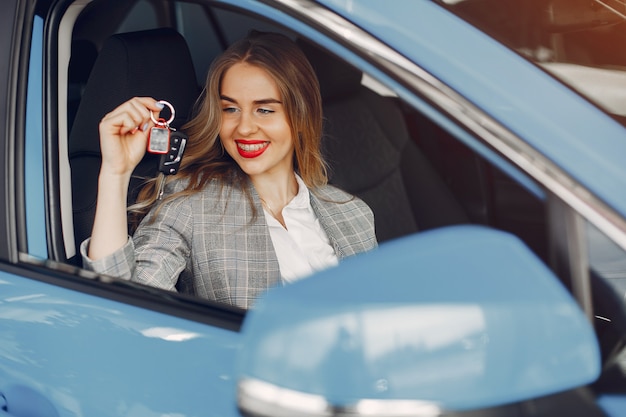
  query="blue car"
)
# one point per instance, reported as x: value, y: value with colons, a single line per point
x: 487, y: 136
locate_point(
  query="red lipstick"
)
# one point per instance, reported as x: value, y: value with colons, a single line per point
x: 251, y: 148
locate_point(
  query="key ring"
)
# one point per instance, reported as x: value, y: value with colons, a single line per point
x: 159, y: 122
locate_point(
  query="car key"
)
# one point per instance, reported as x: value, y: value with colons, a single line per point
x: 170, y: 162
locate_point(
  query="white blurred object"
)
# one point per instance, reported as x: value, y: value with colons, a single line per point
x: 607, y: 87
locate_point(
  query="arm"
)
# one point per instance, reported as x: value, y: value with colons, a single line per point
x: 159, y: 250
x: 123, y: 140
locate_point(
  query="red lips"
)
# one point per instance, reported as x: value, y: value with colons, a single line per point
x: 251, y: 148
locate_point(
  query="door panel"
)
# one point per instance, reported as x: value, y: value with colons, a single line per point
x: 92, y: 356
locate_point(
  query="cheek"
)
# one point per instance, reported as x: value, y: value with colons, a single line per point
x: 224, y: 129
x: 230, y: 148
x: 229, y: 122
x: 226, y: 138
x: 278, y: 128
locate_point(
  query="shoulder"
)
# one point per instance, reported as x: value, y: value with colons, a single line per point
x: 332, y: 193
x: 341, y: 207
x: 336, y: 199
x: 348, y: 220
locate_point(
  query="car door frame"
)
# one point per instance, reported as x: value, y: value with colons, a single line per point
x: 15, y: 30
x: 15, y: 258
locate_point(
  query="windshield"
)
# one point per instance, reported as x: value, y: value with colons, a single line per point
x: 581, y: 42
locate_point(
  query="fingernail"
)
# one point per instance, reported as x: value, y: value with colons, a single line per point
x: 160, y: 105
x: 144, y: 127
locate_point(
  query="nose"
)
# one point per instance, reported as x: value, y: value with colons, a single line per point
x: 246, y: 124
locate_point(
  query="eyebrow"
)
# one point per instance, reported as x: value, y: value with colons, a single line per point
x: 257, y: 102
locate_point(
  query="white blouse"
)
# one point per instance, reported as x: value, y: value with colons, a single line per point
x: 303, y: 247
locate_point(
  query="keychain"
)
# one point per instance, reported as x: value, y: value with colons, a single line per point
x: 164, y: 140
x: 167, y: 142
x: 159, y: 138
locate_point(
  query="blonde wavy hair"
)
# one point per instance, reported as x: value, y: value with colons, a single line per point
x: 205, y: 158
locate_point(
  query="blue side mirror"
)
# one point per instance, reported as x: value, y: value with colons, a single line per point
x: 449, y: 320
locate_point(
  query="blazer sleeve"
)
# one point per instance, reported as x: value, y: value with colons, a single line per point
x: 119, y: 264
x: 157, y: 253
x: 162, y: 244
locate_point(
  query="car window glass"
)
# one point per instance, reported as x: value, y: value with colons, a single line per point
x: 142, y: 16
x: 33, y: 153
x: 194, y: 23
x: 607, y: 263
x: 236, y: 25
x: 580, y: 42
x: 607, y: 260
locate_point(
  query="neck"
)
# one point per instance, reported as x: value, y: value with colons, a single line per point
x: 276, y: 193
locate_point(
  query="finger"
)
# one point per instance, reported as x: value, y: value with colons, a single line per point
x: 125, y: 119
x: 149, y: 103
x: 138, y: 109
x: 121, y: 123
x: 146, y: 106
x: 141, y: 114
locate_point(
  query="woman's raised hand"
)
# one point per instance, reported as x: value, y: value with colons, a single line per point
x: 123, y: 141
x: 124, y: 135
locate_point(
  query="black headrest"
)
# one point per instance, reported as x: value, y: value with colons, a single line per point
x: 337, y: 78
x: 154, y: 63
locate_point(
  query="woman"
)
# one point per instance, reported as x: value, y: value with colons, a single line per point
x: 250, y: 207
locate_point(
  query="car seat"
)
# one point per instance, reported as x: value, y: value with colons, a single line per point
x: 83, y: 57
x: 371, y: 154
x: 154, y: 63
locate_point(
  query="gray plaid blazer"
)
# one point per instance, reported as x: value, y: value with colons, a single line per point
x: 208, y: 244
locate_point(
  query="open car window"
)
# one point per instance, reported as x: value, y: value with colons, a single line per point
x: 415, y: 170
x: 424, y: 173
x: 413, y: 173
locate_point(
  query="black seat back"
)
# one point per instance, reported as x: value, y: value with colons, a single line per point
x: 154, y: 63
x: 371, y: 153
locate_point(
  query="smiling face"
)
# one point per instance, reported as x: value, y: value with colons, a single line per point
x: 255, y: 131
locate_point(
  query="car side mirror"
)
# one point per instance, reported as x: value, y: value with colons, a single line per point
x: 458, y: 318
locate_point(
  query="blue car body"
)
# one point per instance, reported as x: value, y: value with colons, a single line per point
x: 76, y: 344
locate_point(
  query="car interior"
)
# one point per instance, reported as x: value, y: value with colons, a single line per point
x: 413, y: 173
x: 410, y: 172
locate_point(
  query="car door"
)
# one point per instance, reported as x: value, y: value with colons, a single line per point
x: 72, y: 343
